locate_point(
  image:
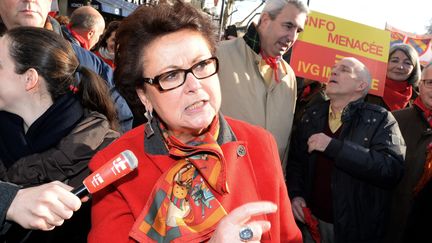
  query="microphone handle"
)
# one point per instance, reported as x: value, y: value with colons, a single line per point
x: 80, y: 191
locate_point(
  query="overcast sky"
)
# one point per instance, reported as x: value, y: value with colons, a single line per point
x: 410, y: 16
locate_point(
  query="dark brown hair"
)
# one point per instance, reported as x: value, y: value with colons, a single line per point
x: 142, y: 27
x: 62, y: 19
x: 54, y: 59
x: 112, y: 26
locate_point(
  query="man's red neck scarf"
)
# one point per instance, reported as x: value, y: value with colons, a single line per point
x: 252, y: 39
x: 427, y: 171
x: 427, y: 168
x: 273, y: 63
x: 427, y: 113
x: 83, y: 43
x: 397, y: 94
x: 183, y: 206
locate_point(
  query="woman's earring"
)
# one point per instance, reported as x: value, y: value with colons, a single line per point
x: 148, y: 128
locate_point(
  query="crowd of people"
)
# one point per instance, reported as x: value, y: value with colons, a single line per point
x: 224, y: 154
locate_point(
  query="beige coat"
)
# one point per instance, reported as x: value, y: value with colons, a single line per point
x: 245, y: 95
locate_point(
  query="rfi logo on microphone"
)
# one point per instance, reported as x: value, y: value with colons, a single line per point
x: 97, y: 180
x: 119, y: 165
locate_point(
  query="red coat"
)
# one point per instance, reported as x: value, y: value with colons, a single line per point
x: 255, y: 175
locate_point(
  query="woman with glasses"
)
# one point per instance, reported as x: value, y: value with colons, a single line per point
x: 403, y: 72
x: 202, y: 177
x: 410, y: 208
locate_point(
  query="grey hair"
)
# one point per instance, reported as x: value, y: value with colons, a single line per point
x: 362, y: 73
x: 365, y: 75
x: 427, y: 66
x: 412, y: 54
x: 274, y: 7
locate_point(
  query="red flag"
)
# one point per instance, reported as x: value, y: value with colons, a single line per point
x: 312, y: 224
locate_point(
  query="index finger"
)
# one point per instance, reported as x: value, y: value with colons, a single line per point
x: 243, y: 213
x: 312, y: 136
x: 66, y: 197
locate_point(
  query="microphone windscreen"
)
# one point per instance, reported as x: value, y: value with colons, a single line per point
x: 111, y: 171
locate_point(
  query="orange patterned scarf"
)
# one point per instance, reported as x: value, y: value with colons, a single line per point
x: 182, y: 206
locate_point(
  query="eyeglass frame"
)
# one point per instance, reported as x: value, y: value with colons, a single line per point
x: 427, y: 85
x: 155, y: 80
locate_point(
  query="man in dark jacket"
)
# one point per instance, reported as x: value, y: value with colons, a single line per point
x: 16, y: 13
x: 411, y: 210
x: 346, y: 156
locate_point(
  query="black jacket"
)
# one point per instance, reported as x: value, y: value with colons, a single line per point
x: 368, y: 161
x: 67, y: 162
x: 7, y: 194
x: 410, y: 213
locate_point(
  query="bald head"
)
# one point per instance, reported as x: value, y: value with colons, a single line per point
x: 362, y: 72
x: 86, y: 17
x: 88, y: 23
x: 349, y: 81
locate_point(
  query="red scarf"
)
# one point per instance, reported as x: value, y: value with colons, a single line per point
x: 426, y: 112
x: 110, y: 62
x: 427, y: 171
x: 397, y: 94
x: 312, y: 224
x: 182, y: 206
x: 427, y: 168
x: 273, y: 63
x: 83, y: 43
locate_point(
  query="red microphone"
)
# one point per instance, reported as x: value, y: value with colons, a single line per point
x: 111, y: 171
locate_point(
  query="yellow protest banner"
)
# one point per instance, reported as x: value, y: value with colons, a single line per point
x: 327, y: 39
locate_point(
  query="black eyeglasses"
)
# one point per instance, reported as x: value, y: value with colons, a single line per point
x: 427, y: 83
x: 176, y: 78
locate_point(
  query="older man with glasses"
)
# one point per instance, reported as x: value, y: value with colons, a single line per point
x: 411, y: 213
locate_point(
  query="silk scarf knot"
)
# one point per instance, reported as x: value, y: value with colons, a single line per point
x: 183, y: 206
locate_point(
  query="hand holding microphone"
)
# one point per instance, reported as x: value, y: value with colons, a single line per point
x: 53, y: 203
x: 116, y: 168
